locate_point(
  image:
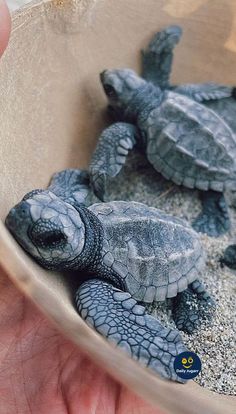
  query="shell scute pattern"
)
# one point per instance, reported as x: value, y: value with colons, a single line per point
x: 152, y: 255
x: 193, y: 143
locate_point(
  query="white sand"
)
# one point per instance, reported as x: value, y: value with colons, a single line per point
x: 214, y: 342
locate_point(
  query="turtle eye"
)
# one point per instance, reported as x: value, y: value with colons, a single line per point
x: 50, y: 239
x: 53, y: 238
x: 110, y: 91
x: 43, y: 236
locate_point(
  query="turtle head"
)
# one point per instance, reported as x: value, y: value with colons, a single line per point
x: 48, y: 228
x: 120, y: 85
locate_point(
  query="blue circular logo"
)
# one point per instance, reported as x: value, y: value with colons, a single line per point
x: 187, y: 365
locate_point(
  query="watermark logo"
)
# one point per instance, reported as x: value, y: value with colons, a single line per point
x: 187, y: 365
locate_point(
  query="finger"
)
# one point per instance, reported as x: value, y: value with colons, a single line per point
x: 5, y: 26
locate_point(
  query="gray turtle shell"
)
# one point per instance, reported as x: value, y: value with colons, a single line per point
x: 191, y: 145
x: 158, y: 255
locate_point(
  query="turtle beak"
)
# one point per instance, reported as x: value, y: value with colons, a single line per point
x: 10, y: 219
x: 16, y: 217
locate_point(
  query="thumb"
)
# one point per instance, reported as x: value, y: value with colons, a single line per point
x: 5, y: 26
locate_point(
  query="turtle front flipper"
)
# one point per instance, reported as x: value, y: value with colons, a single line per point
x: 118, y: 317
x: 214, y: 219
x: 72, y: 186
x: 201, y: 92
x: 158, y: 56
x: 191, y: 306
x: 110, y: 154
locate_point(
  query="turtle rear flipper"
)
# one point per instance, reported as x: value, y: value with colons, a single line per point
x: 214, y: 219
x: 158, y: 56
x: 118, y: 317
x: 192, y: 305
x: 201, y: 92
x: 110, y: 154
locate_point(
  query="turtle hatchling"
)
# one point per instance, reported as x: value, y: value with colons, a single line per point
x: 124, y: 253
x: 184, y: 140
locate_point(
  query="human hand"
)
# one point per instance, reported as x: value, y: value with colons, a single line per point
x: 41, y: 372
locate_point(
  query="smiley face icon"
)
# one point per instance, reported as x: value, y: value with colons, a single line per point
x: 187, y: 363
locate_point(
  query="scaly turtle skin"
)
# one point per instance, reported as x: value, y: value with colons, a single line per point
x: 184, y: 140
x: 124, y: 252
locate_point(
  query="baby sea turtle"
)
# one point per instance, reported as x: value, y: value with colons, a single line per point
x: 184, y: 140
x: 124, y: 253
